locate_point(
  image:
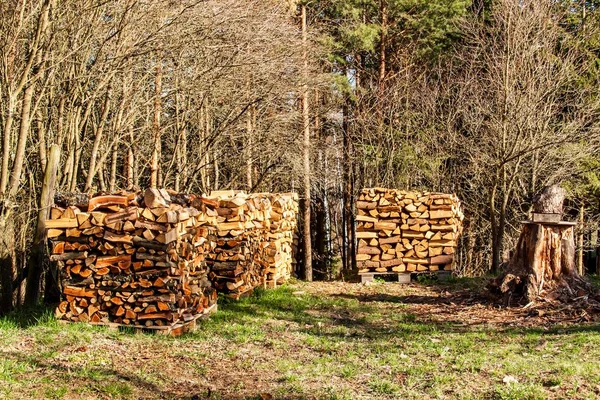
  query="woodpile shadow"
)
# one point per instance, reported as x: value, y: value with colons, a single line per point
x: 355, y: 318
x: 102, y: 374
x: 455, y: 299
x: 27, y: 317
x: 13, y: 274
x: 457, y: 311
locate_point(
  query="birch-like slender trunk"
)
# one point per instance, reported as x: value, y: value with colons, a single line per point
x: 15, y: 177
x: 97, y: 140
x: 248, y: 149
x: 6, y: 134
x: 156, y: 129
x: 112, y: 185
x: 308, y: 273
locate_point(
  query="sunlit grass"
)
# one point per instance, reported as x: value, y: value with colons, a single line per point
x: 294, y: 344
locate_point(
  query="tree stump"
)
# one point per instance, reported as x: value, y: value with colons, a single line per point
x: 543, y: 265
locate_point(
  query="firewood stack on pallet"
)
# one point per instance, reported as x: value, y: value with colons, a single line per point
x: 278, y: 248
x: 256, y: 235
x: 133, y: 259
x: 400, y: 231
x: 241, y: 223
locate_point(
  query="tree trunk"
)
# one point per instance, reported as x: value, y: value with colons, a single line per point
x: 580, y: 240
x: 129, y: 172
x: 77, y: 149
x: 97, y: 140
x: 543, y: 265
x: 306, y: 122
x: 8, y: 123
x: 496, y: 239
x: 184, y: 160
x: 112, y: 183
x: 248, y: 150
x: 41, y: 134
x: 7, y: 260
x: 38, y: 255
x: 156, y: 140
x: 348, y: 192
x: 19, y: 161
x: 216, y: 174
x: 383, y: 15
x: 320, y: 244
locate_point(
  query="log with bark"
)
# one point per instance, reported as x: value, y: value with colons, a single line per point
x: 543, y: 264
x: 122, y: 260
x: 400, y: 231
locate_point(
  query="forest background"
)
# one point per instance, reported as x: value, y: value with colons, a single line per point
x: 490, y: 99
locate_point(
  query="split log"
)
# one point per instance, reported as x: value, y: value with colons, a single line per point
x: 257, y: 240
x: 66, y: 199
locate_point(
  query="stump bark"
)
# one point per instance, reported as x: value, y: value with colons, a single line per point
x: 543, y: 264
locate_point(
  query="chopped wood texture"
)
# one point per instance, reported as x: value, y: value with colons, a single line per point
x: 125, y: 263
x: 400, y: 231
x: 256, y: 240
x: 112, y: 274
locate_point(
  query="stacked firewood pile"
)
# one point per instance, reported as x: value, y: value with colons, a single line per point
x: 240, y: 224
x: 278, y: 248
x: 133, y: 259
x: 401, y: 231
x: 255, y: 240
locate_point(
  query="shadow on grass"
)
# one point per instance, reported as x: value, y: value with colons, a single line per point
x: 376, y: 315
x: 311, y: 313
x: 361, y: 314
x: 29, y: 316
x: 96, y: 379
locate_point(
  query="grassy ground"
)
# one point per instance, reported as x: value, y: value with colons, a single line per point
x: 321, y: 341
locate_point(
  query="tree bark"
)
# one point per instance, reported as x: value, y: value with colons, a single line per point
x: 156, y: 139
x: 112, y: 185
x: 6, y: 133
x: 580, y: 240
x: 308, y: 275
x: 41, y: 134
x: 38, y: 255
x: 543, y: 265
x: 129, y: 169
x: 347, y: 212
x: 7, y: 260
x: 15, y: 177
x: 97, y: 140
x: 248, y: 149
x: 383, y: 15
x: 495, y: 232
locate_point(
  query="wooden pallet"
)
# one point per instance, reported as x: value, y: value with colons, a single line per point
x: 176, y: 329
x: 237, y: 296
x: 403, y: 277
x: 272, y: 284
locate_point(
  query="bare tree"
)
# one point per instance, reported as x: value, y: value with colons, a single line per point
x: 523, y: 119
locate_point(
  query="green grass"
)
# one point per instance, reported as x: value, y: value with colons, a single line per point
x: 294, y: 343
